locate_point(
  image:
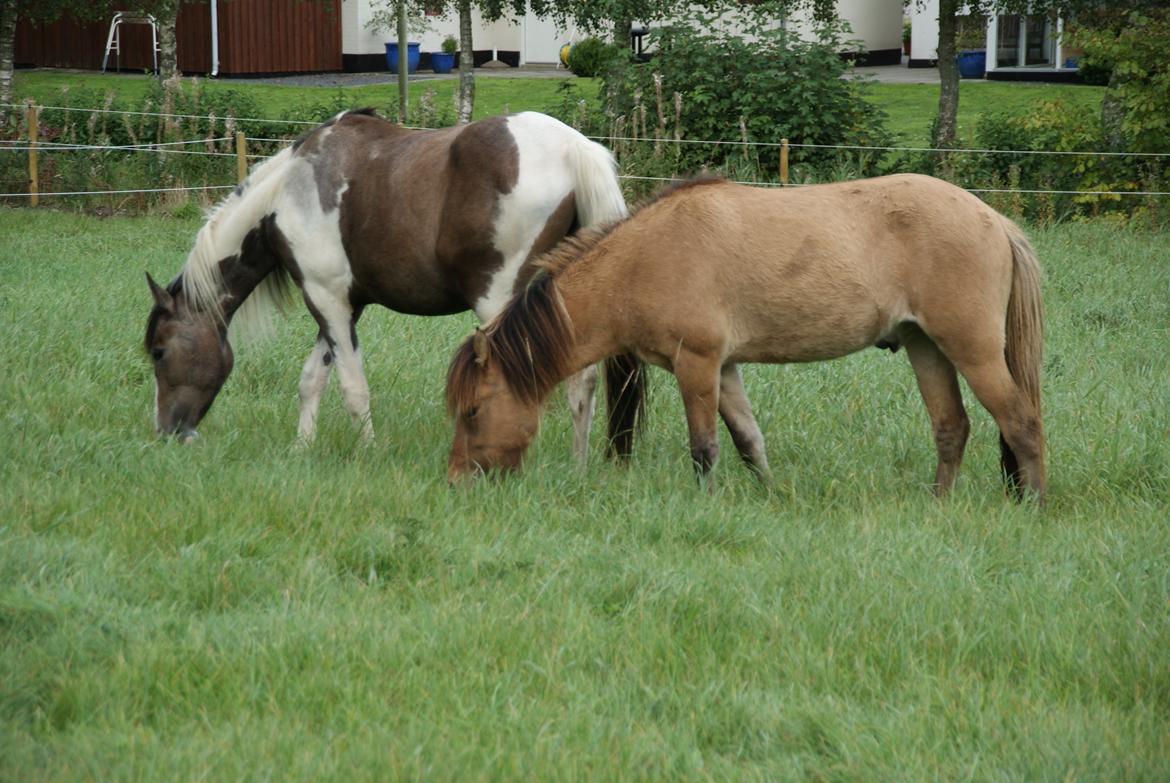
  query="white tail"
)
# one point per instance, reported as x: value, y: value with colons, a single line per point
x: 599, y: 196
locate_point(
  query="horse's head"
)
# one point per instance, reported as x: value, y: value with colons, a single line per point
x: 493, y: 423
x: 191, y: 356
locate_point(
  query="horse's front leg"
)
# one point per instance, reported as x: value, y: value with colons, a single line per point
x: 337, y: 320
x: 581, y: 391
x: 698, y: 381
x: 741, y: 423
x: 314, y: 378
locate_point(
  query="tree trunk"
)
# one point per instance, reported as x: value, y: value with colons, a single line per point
x: 7, y: 53
x: 466, y: 64
x: 621, y: 30
x: 948, y: 75
x: 166, y: 15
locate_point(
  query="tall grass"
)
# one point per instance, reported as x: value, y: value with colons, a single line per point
x: 237, y: 609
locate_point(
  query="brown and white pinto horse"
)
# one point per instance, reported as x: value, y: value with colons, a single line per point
x: 361, y: 211
x: 713, y: 274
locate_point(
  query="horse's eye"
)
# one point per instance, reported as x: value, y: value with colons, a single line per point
x: 471, y: 412
x: 156, y: 354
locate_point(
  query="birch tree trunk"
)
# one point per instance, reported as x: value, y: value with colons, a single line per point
x: 466, y: 64
x: 166, y: 15
x: 948, y: 75
x: 8, y: 15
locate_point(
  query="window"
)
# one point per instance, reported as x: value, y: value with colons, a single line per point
x: 1023, y: 40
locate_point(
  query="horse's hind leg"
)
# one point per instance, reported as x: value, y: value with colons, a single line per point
x: 581, y: 391
x: 737, y: 415
x: 939, y: 385
x: 1019, y: 421
x: 314, y: 377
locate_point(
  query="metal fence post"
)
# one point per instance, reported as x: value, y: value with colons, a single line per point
x: 784, y: 162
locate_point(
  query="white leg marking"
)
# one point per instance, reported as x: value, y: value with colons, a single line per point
x: 314, y: 378
x: 581, y: 390
x: 315, y: 239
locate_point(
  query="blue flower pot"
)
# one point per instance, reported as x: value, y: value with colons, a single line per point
x: 441, y: 62
x: 411, y: 56
x: 972, y: 64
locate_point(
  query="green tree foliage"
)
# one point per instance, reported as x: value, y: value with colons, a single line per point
x: 1135, y: 48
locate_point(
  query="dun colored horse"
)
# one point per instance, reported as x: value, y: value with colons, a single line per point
x: 713, y: 274
x: 360, y: 211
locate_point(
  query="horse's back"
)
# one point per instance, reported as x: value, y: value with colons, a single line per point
x: 832, y: 267
x: 401, y: 205
x: 433, y: 221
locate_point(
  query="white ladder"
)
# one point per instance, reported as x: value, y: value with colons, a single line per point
x: 114, y: 39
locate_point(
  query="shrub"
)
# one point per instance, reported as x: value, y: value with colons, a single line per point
x: 1052, y: 126
x: 774, y: 87
x: 593, y: 57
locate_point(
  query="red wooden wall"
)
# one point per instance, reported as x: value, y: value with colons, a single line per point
x: 255, y: 36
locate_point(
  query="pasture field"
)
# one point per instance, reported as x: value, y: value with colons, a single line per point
x: 239, y: 610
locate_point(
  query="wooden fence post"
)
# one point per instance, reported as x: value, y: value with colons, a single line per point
x: 241, y: 157
x: 33, y: 133
x: 784, y: 162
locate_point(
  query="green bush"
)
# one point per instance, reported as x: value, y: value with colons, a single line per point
x: 727, y: 89
x: 593, y: 57
x: 1052, y: 126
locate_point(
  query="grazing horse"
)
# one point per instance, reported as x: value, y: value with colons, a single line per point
x: 713, y: 274
x: 361, y: 211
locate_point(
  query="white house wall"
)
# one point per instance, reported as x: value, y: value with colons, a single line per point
x: 877, y: 23
x: 924, y: 30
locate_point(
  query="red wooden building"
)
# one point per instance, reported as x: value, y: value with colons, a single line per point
x: 255, y: 37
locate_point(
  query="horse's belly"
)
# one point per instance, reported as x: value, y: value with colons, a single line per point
x: 794, y: 337
x: 405, y: 286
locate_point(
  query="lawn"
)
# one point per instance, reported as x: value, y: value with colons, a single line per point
x: 237, y: 609
x: 910, y: 107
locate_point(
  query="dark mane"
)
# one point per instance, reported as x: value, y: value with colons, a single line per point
x: 531, y: 341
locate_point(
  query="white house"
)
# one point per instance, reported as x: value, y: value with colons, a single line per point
x: 1019, y: 46
x: 520, y: 41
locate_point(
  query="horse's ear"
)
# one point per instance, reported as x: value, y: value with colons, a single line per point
x: 481, y: 346
x: 162, y: 297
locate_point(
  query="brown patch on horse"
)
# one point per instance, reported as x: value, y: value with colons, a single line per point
x: 455, y: 177
x: 530, y: 341
x: 561, y: 223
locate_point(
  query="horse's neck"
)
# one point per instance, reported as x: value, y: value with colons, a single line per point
x: 596, y: 333
x: 243, y: 259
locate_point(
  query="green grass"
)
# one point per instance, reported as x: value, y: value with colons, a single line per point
x: 240, y: 610
x: 910, y: 107
x: 493, y: 95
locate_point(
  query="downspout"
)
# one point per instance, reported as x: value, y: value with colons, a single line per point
x: 214, y: 38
